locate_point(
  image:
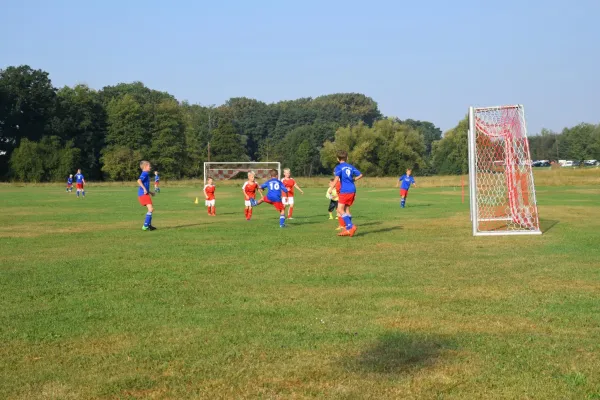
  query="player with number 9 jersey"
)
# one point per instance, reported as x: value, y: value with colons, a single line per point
x: 346, y: 174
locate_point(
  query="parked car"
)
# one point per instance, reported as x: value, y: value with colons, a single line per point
x: 591, y: 163
x: 566, y: 164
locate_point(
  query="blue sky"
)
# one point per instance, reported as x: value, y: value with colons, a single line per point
x: 427, y: 59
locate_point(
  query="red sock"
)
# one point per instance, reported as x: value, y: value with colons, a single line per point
x: 214, y: 210
x: 342, y: 223
x: 247, y: 213
x: 208, y: 210
x: 290, y: 211
x: 250, y: 213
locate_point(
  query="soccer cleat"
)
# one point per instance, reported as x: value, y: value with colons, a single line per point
x: 352, y: 230
x: 330, y: 217
x: 151, y: 228
x: 345, y: 232
x: 145, y: 228
x: 290, y: 218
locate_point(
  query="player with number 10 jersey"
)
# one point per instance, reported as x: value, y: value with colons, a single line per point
x: 274, y: 187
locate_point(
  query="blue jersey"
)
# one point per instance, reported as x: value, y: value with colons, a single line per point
x: 70, y: 181
x: 145, y: 178
x: 156, y: 178
x: 275, y: 187
x: 406, y: 180
x: 79, y: 178
x: 346, y: 173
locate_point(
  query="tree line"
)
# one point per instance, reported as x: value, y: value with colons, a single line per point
x: 47, y: 133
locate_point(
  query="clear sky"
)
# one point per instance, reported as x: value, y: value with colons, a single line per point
x: 420, y: 59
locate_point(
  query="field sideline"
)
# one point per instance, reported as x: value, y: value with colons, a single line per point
x: 218, y: 307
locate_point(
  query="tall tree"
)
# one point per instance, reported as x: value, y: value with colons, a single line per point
x: 226, y: 145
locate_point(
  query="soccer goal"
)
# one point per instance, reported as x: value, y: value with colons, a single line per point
x: 220, y: 171
x: 502, y: 192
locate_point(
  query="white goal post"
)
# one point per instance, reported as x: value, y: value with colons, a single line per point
x: 227, y: 170
x: 501, y: 187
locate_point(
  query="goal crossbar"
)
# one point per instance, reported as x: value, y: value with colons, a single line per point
x: 221, y: 170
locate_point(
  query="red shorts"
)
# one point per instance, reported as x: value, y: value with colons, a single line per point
x: 145, y: 199
x: 277, y: 204
x: 156, y: 183
x: 403, y: 192
x: 69, y: 185
x: 80, y: 186
x: 346, y: 199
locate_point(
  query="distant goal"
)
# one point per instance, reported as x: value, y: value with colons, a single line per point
x: 220, y: 171
x: 502, y: 191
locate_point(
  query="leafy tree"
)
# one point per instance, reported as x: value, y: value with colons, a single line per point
x: 226, y: 145
x: 26, y: 106
x: 46, y: 160
x: 121, y: 163
x: 128, y: 124
x: 450, y: 154
x: 168, y: 138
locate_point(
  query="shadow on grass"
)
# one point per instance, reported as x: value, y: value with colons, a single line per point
x: 180, y: 226
x: 547, y: 224
x: 382, y: 230
x: 400, y: 353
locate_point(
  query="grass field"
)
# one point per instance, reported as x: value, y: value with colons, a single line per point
x: 412, y: 307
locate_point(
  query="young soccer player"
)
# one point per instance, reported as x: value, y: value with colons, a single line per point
x: 209, y: 195
x: 346, y: 174
x: 290, y: 184
x: 332, y: 195
x: 249, y: 189
x: 405, y: 183
x: 80, y: 183
x: 275, y: 187
x: 70, y: 184
x: 144, y: 194
x: 156, y: 182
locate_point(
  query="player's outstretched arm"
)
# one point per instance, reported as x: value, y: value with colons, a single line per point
x: 358, y: 177
x: 298, y: 187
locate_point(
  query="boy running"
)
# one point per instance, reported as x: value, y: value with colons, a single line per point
x: 70, y: 184
x: 290, y: 184
x: 346, y: 174
x: 273, y: 197
x: 405, y: 183
x: 249, y: 189
x: 209, y: 195
x: 144, y: 194
x: 156, y: 182
x: 332, y: 195
x: 80, y: 183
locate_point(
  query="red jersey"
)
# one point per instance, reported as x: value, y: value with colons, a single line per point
x: 209, y: 190
x: 289, y: 185
x: 250, y: 189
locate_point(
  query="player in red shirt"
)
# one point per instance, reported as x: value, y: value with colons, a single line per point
x: 209, y: 195
x: 249, y: 189
x: 290, y: 184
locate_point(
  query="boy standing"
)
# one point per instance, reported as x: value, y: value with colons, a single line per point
x: 346, y: 174
x: 209, y: 195
x: 249, y: 189
x: 156, y: 182
x: 70, y: 184
x: 332, y: 195
x: 290, y: 184
x: 273, y: 197
x: 405, y: 183
x: 144, y: 194
x: 80, y: 183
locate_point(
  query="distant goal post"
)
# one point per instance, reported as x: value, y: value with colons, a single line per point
x: 501, y: 186
x: 230, y: 170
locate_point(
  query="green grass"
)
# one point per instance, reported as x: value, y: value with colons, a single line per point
x: 411, y: 307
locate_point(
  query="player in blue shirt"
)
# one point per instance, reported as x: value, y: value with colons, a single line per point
x: 346, y: 174
x: 156, y: 182
x: 144, y: 194
x: 80, y: 182
x: 275, y: 187
x: 405, y: 183
x: 70, y: 184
